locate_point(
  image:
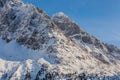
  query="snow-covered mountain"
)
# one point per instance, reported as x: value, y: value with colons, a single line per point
x: 86, y: 41
x: 35, y: 47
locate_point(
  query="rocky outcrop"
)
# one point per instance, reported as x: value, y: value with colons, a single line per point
x: 72, y: 30
x: 79, y: 36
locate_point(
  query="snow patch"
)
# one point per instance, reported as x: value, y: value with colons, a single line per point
x: 14, y: 52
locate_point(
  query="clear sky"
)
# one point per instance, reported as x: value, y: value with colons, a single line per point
x: 100, y: 18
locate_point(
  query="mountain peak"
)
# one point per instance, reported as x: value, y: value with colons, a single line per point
x: 60, y: 14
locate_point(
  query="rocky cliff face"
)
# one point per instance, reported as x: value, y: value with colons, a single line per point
x: 80, y: 37
x: 35, y: 47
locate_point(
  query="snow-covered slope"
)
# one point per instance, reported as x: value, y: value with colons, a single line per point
x: 34, y: 47
x: 105, y: 53
x: 86, y: 41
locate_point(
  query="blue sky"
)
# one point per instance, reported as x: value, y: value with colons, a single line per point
x: 100, y: 18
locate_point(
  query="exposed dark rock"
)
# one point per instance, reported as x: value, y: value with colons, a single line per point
x: 112, y: 48
x: 1, y: 4
x: 87, y: 39
x: 28, y: 76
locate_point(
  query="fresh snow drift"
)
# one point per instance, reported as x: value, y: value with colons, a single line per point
x: 35, y: 47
